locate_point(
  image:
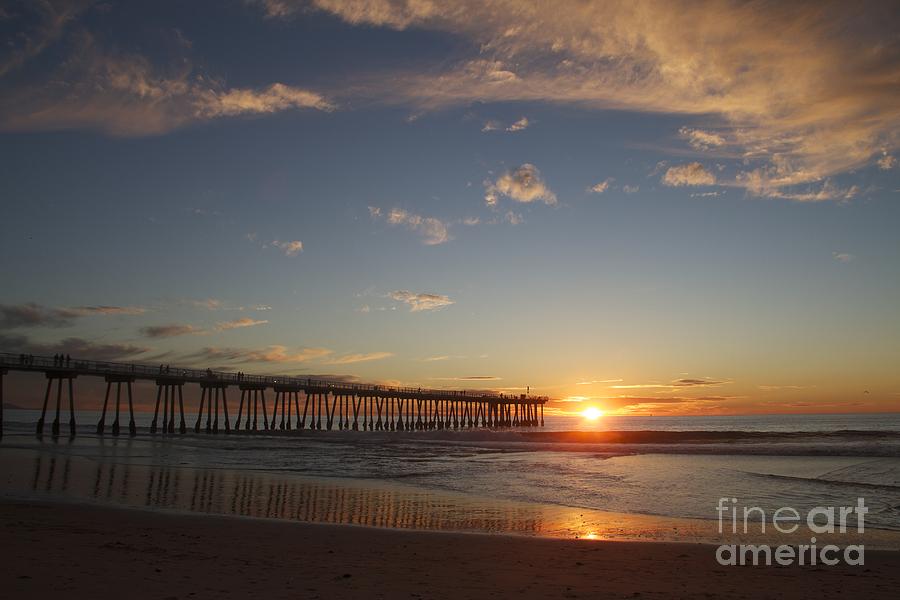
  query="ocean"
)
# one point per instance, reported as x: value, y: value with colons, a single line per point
x: 535, y: 481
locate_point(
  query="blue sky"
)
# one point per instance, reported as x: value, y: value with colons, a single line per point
x: 601, y: 206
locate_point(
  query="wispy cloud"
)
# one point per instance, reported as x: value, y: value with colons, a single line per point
x: 676, y: 383
x: 433, y: 231
x: 421, y: 302
x: 349, y: 359
x: 522, y: 184
x: 599, y: 188
x: 276, y: 97
x: 74, y: 346
x: 759, y: 185
x: 126, y: 94
x: 170, y: 330
x: 598, y: 381
x: 270, y: 354
x: 519, y: 125
x: 292, y: 248
x: 887, y: 162
x: 776, y: 388
x: 690, y: 174
x: 693, y: 382
x: 34, y: 315
x: 208, y: 303
x: 239, y: 324
x: 445, y: 357
x: 513, y: 218
x: 38, y: 25
x: 280, y: 354
x: 842, y: 257
x: 494, y: 125
x: 108, y: 310
x: 31, y: 314
x: 701, y: 140
x: 802, y: 96
x: 468, y: 378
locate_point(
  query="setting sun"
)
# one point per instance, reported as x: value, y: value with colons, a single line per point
x: 592, y: 413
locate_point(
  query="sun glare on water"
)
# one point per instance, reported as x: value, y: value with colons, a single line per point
x: 592, y: 413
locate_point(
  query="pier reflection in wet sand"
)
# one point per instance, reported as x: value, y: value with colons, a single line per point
x: 264, y: 495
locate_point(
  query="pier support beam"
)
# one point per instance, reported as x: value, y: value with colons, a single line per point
x: 329, y: 414
x: 289, y: 397
x: 356, y: 400
x: 118, y: 380
x: 58, y: 376
x: 254, y: 394
x: 166, y: 390
x: 210, y: 391
x: 401, y: 412
x: 306, y: 403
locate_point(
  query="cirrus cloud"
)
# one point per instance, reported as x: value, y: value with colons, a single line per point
x: 239, y: 324
x: 421, y: 302
x: 792, y: 82
x: 349, y: 359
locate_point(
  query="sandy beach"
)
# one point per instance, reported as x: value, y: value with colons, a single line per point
x: 87, y: 551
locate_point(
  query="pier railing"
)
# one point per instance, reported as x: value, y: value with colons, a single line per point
x: 75, y: 366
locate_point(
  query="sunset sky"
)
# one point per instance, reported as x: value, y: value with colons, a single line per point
x: 647, y: 207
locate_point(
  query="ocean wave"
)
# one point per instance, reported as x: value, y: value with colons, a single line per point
x: 828, y: 482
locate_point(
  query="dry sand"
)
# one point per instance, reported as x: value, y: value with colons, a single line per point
x: 82, y: 551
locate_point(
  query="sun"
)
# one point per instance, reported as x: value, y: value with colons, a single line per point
x: 592, y: 413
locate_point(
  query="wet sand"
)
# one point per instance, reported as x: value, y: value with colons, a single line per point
x: 47, y: 476
x: 87, y: 551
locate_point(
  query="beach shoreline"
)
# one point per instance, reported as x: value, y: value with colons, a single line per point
x: 35, y: 475
x: 100, y: 551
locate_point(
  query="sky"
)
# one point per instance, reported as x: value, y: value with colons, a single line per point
x: 645, y: 207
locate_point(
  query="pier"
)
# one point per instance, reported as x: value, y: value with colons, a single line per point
x: 297, y: 403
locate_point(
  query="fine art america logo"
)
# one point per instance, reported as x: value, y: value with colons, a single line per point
x: 821, y: 520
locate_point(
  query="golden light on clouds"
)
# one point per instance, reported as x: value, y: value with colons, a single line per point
x: 801, y: 91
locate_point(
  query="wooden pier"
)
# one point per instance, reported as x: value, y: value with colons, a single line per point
x: 298, y: 403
